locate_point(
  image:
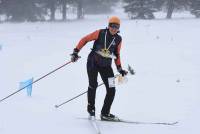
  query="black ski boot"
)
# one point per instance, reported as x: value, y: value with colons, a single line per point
x: 91, y: 110
x: 109, y: 117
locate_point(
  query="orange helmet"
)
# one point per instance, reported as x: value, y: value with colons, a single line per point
x: 114, y: 19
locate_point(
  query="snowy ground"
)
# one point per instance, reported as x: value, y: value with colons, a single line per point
x: 164, y: 53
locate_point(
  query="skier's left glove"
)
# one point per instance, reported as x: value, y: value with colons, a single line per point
x: 121, y: 71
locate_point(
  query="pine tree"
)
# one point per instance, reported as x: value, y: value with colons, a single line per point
x: 171, y: 5
x: 64, y: 9
x: 99, y: 6
x: 52, y: 6
x: 140, y: 9
x: 80, y: 12
x: 22, y: 10
x: 195, y: 8
x: 1, y: 11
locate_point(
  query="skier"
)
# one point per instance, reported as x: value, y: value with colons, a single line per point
x: 107, y: 45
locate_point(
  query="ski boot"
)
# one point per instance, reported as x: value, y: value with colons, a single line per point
x: 109, y: 117
x: 91, y: 110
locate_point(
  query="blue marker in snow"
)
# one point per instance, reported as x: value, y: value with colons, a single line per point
x: 27, y: 83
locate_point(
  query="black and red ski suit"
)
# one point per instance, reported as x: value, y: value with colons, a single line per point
x: 99, y: 64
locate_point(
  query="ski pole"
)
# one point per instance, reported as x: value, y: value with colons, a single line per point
x: 35, y: 81
x: 57, y: 106
x: 130, y: 71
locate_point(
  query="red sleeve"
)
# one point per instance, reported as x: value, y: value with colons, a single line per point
x: 87, y: 38
x: 117, y: 60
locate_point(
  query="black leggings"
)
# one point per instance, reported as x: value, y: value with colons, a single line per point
x: 105, y: 72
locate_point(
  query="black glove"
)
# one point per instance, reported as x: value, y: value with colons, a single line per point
x: 74, y: 55
x: 121, y: 71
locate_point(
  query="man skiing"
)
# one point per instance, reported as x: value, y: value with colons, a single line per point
x: 107, y: 45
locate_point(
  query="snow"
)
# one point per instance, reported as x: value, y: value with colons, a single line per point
x: 164, y: 54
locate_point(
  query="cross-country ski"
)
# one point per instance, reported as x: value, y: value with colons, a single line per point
x: 143, y: 123
x: 135, y: 122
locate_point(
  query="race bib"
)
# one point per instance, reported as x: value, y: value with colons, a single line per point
x: 111, y: 82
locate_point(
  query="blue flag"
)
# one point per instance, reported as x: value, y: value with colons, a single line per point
x: 28, y: 85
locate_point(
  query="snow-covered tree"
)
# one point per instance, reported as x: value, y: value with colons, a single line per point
x: 100, y: 6
x: 195, y: 8
x: 140, y: 9
x: 171, y: 5
x: 22, y: 10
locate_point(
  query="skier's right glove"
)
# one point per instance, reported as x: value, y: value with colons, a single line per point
x: 74, y: 55
x: 121, y: 71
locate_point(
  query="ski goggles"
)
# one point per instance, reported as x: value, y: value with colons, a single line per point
x: 114, y: 26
